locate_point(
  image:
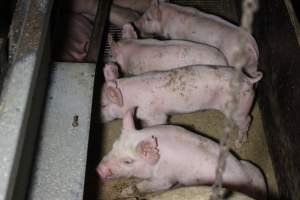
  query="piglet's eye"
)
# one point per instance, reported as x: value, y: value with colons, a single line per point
x: 128, y: 161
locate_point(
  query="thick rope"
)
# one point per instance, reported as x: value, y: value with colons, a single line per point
x: 249, y: 7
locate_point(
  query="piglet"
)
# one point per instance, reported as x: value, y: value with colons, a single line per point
x: 138, y: 56
x: 187, y: 23
x: 165, y: 155
x: 183, y: 90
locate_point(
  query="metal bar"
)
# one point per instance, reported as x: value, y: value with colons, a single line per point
x: 59, y: 170
x: 98, y: 32
x: 22, y: 93
x: 293, y: 18
x: 3, y: 60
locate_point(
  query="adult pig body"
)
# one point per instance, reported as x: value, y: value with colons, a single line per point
x: 74, y: 41
x: 175, y: 155
x: 179, y: 22
x: 138, y: 56
x: 183, y: 90
x: 120, y: 16
x: 88, y: 8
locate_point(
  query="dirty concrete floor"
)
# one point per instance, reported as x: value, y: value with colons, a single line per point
x: 208, y: 123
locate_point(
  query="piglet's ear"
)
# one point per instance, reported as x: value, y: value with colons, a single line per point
x: 111, y: 72
x: 114, y: 94
x: 148, y: 150
x: 128, y: 32
x: 128, y: 121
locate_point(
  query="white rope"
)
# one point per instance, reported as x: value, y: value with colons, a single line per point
x: 249, y: 7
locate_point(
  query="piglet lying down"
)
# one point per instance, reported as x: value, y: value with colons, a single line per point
x: 136, y: 56
x: 184, y: 90
x: 165, y: 155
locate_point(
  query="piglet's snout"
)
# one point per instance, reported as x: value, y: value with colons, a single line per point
x: 104, y: 172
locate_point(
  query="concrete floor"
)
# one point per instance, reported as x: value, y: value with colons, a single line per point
x: 207, y: 123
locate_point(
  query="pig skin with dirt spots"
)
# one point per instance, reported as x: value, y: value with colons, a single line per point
x: 183, y: 90
x: 187, y: 23
x: 136, y: 56
x: 165, y: 155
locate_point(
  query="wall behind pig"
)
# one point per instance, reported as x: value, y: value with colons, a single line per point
x: 279, y: 93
